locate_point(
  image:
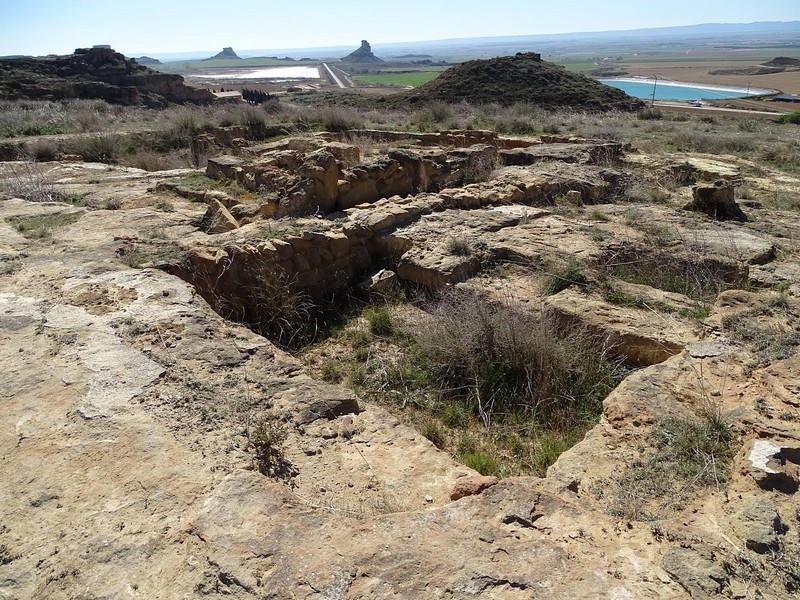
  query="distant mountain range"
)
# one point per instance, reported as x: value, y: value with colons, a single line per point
x: 483, y: 46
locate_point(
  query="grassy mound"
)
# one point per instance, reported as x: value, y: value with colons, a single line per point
x: 522, y: 78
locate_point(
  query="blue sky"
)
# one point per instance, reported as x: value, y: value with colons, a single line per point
x: 134, y: 27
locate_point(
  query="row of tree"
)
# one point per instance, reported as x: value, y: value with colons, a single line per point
x: 255, y: 96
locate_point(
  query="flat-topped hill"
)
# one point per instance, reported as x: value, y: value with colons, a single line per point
x: 522, y: 78
x: 94, y: 73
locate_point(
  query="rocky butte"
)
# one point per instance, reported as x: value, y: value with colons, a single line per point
x: 362, y: 55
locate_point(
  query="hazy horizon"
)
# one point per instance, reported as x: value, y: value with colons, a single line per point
x: 183, y: 26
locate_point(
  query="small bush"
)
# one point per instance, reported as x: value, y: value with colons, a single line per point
x: 339, y: 118
x: 267, y: 436
x: 699, y: 279
x: 458, y: 246
x: 30, y: 184
x: 571, y: 274
x: 690, y: 455
x: 650, y: 114
x: 75, y: 198
x: 253, y: 118
x: 271, y: 306
x: 548, y: 448
x: 100, y: 148
x: 38, y: 226
x: 6, y: 556
x: 331, y: 371
x: 500, y: 363
x: 379, y: 321
x: 483, y: 462
x: 164, y: 206
x: 150, y: 160
x: 793, y: 118
x: 42, y: 150
x: 455, y: 415
x: 434, y: 431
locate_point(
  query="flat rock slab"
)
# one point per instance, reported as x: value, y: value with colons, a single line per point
x: 732, y: 244
x: 642, y: 336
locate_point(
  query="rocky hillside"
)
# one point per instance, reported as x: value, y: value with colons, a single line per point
x: 155, y: 443
x: 522, y: 78
x: 94, y: 73
x: 784, y: 62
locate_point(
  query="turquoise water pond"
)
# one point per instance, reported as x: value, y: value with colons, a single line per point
x: 671, y: 91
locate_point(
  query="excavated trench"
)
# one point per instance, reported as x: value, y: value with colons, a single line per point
x: 373, y: 213
x: 434, y: 214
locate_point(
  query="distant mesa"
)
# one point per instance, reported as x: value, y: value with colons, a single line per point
x: 521, y: 78
x: 783, y: 61
x: 779, y: 64
x: 94, y: 73
x: 147, y: 60
x: 362, y: 55
x: 226, y: 53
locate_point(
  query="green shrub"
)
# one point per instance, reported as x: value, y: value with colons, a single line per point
x: 690, y: 455
x: 701, y: 280
x: 548, y: 447
x: 571, y: 274
x: 650, y: 114
x: 793, y: 118
x: 331, y: 371
x: 483, y: 462
x: 37, y: 226
x: 379, y: 320
x: 434, y: 431
x: 270, y: 305
x: 99, y: 148
x: 455, y: 415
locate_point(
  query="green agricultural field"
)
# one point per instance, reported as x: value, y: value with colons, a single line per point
x: 414, y: 79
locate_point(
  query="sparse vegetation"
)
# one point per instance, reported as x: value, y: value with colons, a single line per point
x: 770, y: 341
x: 41, y: 225
x: 28, y: 183
x: 459, y: 246
x: 272, y: 306
x: 146, y: 254
x: 267, y: 436
x: 689, y: 455
x: 379, y: 320
x: 571, y: 274
x: 793, y: 118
